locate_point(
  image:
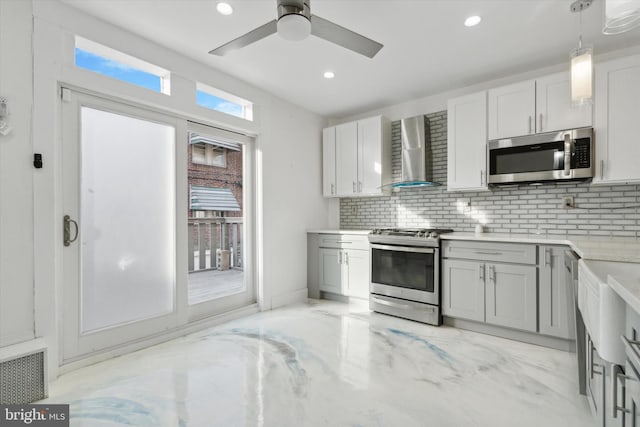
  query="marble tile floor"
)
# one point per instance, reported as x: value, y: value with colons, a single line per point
x: 328, y: 364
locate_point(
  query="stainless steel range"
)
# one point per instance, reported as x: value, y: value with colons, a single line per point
x: 405, y: 273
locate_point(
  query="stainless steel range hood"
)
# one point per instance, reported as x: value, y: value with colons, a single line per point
x: 416, y: 155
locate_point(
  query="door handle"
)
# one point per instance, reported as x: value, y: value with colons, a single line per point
x: 567, y: 154
x: 67, y: 221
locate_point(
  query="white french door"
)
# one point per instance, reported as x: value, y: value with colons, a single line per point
x: 127, y: 243
x: 119, y: 227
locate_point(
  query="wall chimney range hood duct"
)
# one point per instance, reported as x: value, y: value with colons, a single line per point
x: 416, y: 155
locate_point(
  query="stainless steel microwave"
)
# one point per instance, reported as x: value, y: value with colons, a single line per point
x: 553, y: 156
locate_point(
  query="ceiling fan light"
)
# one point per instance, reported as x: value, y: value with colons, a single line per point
x: 294, y: 27
x: 581, y: 75
x: 621, y: 16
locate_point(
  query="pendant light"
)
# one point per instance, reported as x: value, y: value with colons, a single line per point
x: 581, y: 63
x: 620, y: 16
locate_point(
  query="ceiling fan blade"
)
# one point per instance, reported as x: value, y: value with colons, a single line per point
x: 343, y: 37
x: 245, y: 40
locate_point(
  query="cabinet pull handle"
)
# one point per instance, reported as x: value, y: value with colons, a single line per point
x: 339, y: 257
x: 540, y: 129
x: 488, y: 253
x: 547, y: 257
x: 616, y: 375
x: 530, y: 126
x: 346, y: 258
x: 493, y: 272
x: 354, y: 186
x: 481, y: 269
x: 333, y: 189
x: 481, y: 177
x: 359, y: 187
x: 601, y: 169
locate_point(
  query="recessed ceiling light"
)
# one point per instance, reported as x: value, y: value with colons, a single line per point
x: 472, y: 21
x: 224, y: 8
x: 329, y: 74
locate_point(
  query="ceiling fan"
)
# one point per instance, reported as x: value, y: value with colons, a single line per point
x: 295, y: 22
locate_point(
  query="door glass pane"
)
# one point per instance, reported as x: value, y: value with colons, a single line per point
x: 127, y: 226
x: 216, y: 218
x: 403, y: 269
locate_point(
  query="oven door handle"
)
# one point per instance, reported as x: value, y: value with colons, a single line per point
x: 403, y: 248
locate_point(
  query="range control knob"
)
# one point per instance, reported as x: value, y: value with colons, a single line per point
x: 433, y: 235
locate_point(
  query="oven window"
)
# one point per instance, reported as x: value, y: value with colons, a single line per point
x: 403, y: 269
x: 536, y: 158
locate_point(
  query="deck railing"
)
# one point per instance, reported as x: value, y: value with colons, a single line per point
x: 207, y: 235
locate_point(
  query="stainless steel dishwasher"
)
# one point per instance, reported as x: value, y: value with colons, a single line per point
x: 571, y: 274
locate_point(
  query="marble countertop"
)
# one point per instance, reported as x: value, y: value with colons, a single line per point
x: 619, y: 249
x: 623, y: 277
x: 329, y: 231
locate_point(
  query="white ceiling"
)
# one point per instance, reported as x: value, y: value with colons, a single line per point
x: 427, y: 49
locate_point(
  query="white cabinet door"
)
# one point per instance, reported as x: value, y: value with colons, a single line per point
x: 463, y: 289
x: 346, y: 159
x: 329, y: 162
x: 553, y: 105
x: 467, y: 142
x: 357, y: 263
x: 512, y: 296
x: 330, y: 270
x: 512, y: 110
x: 370, y: 156
x: 617, y: 97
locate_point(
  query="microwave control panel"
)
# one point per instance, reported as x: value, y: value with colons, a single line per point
x: 581, y: 155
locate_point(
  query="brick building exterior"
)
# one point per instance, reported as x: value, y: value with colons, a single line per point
x: 228, y: 176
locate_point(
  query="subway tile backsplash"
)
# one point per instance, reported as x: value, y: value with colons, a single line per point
x: 610, y: 210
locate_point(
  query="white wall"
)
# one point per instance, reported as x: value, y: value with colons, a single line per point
x: 291, y: 184
x: 288, y: 144
x: 16, y: 176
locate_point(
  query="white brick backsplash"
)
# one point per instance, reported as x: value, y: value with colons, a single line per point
x: 513, y: 209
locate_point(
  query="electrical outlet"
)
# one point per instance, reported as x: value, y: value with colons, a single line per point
x: 354, y: 210
x: 464, y: 205
x: 568, y: 202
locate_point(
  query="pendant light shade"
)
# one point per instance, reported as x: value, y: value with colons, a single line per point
x: 621, y: 16
x: 581, y: 63
x: 581, y: 75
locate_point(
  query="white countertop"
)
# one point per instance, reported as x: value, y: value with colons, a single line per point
x: 327, y: 231
x: 623, y: 277
x: 619, y: 249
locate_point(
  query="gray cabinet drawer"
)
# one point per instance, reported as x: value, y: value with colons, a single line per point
x: 344, y: 241
x: 490, y: 251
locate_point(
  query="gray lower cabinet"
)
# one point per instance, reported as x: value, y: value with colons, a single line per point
x: 556, y: 304
x: 511, y: 297
x: 495, y: 283
x: 338, y: 264
x: 357, y: 266
x: 463, y: 289
x: 330, y: 270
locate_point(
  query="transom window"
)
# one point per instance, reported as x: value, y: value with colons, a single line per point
x: 103, y: 60
x: 215, y: 99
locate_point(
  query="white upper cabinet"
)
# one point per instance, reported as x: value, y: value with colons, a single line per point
x: 467, y: 142
x: 553, y: 105
x: 346, y: 158
x: 362, y: 158
x: 617, y: 102
x: 512, y: 110
x: 329, y: 162
x: 535, y: 106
